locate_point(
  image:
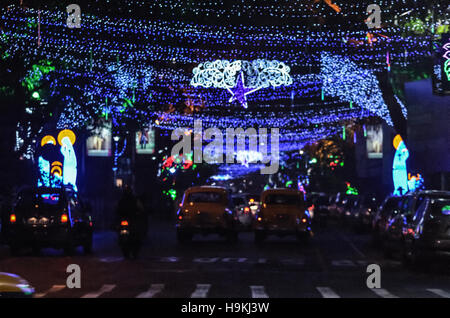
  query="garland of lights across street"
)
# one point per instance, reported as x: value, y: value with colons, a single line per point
x: 319, y: 80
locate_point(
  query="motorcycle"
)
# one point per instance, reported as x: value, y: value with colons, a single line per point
x: 129, y: 240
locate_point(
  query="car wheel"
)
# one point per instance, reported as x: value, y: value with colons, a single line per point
x: 69, y: 249
x: 183, y: 237
x: 417, y: 261
x: 387, y: 252
x: 126, y: 252
x: 232, y: 237
x: 260, y: 236
x: 303, y: 238
x: 14, y: 250
x: 87, y: 247
x: 36, y: 250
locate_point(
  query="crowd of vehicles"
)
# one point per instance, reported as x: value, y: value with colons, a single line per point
x: 414, y: 227
x: 214, y: 210
x: 411, y: 227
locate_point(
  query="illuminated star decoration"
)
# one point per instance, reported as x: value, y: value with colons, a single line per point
x: 240, y: 91
x: 258, y: 73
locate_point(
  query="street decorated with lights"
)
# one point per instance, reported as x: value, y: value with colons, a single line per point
x: 307, y: 79
x: 225, y: 149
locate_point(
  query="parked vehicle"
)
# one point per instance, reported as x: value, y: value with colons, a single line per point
x: 283, y: 212
x: 206, y: 210
x: 390, y: 207
x: 318, y: 208
x: 402, y: 223
x: 428, y: 234
x: 49, y: 217
x: 347, y: 206
x: 363, y: 212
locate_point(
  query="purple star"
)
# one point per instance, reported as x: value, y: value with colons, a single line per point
x: 240, y: 91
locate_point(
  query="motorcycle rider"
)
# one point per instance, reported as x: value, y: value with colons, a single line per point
x: 131, y: 209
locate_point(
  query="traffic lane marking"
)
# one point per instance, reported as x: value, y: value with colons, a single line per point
x: 439, y: 292
x: 258, y: 292
x: 201, y: 291
x: 53, y: 289
x: 383, y: 293
x: 104, y: 289
x: 154, y: 290
x: 327, y: 292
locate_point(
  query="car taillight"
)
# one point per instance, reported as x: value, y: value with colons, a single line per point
x: 259, y: 219
x: 246, y: 209
x: 12, y: 218
x: 180, y: 217
x: 124, y: 223
x: 64, y: 218
x: 304, y: 220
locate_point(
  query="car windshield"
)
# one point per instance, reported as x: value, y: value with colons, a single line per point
x: 39, y: 203
x: 205, y: 197
x: 238, y: 201
x: 284, y: 199
x: 370, y: 201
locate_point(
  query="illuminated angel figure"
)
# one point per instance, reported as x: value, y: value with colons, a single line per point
x: 67, y: 138
x: 399, y: 170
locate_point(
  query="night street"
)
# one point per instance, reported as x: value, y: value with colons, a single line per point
x: 224, y: 156
x: 332, y: 265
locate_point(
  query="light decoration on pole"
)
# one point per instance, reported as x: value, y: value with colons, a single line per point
x: 241, y: 78
x: 446, y: 56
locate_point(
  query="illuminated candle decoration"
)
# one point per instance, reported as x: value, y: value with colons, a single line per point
x: 52, y: 172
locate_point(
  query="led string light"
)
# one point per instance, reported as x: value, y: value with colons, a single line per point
x: 345, y: 80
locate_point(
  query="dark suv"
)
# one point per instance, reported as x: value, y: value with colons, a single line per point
x: 402, y: 223
x: 49, y: 217
x: 428, y: 234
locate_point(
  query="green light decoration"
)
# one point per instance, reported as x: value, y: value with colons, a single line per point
x: 351, y: 190
x: 127, y: 103
x: 37, y: 72
x: 36, y: 95
x: 447, y: 69
x: 288, y: 183
x: 313, y: 160
x: 172, y: 193
x: 342, y: 164
x: 343, y: 133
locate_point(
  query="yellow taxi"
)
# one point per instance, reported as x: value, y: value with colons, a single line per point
x: 282, y: 212
x: 12, y: 285
x: 206, y: 210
